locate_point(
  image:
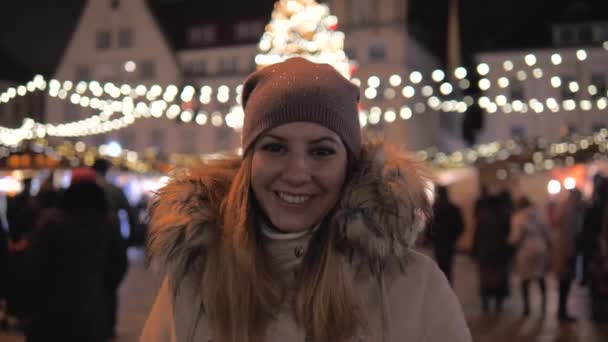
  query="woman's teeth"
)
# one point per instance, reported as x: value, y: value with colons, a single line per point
x: 293, y: 199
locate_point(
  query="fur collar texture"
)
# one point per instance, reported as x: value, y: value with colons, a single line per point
x: 382, y: 209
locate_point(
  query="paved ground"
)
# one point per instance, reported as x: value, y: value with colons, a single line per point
x: 139, y: 289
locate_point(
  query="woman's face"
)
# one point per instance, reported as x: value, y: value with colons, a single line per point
x: 297, y: 174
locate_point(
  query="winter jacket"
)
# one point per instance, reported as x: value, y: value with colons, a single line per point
x: 404, y: 295
x: 530, y: 236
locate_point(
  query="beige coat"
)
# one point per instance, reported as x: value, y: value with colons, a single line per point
x: 404, y: 294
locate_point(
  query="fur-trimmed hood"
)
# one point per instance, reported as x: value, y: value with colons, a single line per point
x: 382, y: 209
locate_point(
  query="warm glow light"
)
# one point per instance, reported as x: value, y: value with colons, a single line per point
x: 484, y: 84
x: 483, y: 69
x: 408, y: 91
x: 503, y: 82
x: 521, y: 75
x: 371, y: 93
x: 556, y: 59
x: 554, y: 187
x: 395, y: 80
x: 592, y: 89
x: 530, y: 59
x: 460, y: 73
x: 446, y: 88
x: 438, y: 75
x: 130, y: 66
x: 405, y: 113
x: 373, y: 81
x: 507, y: 65
x: 581, y: 55
x: 569, y: 183
x: 416, y: 77
x: 573, y: 86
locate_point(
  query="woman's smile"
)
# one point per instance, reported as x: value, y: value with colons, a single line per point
x: 297, y: 173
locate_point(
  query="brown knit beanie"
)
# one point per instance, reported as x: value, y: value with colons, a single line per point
x: 299, y: 90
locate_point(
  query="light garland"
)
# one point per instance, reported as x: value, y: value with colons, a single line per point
x: 140, y: 101
x: 537, y: 155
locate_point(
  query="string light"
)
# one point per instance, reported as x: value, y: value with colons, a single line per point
x: 119, y: 98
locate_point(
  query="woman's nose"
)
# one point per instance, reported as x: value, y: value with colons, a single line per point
x: 297, y: 170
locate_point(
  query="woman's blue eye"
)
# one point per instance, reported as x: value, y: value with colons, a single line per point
x: 323, y: 152
x: 273, y: 147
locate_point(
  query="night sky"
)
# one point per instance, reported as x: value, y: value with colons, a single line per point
x: 35, y: 32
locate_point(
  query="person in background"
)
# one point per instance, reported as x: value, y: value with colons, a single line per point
x: 446, y: 226
x: 595, y: 239
x: 530, y: 237
x: 74, y: 250
x: 118, y: 202
x: 566, y: 221
x: 491, y: 249
x: 21, y: 213
x: 4, y: 275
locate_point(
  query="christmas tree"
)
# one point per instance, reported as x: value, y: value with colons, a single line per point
x: 303, y: 28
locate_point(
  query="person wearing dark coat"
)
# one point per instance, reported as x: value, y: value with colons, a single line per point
x: 595, y: 249
x: 444, y: 230
x: 491, y: 248
x: 118, y: 202
x: 74, y: 254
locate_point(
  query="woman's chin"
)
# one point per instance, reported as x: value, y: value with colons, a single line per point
x: 291, y: 227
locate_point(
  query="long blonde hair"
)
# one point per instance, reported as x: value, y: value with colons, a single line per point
x: 242, y: 293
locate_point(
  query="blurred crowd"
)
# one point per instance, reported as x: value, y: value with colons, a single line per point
x: 63, y: 255
x: 567, y: 239
x: 63, y: 252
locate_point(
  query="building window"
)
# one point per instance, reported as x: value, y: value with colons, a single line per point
x: 228, y: 65
x: 82, y: 73
x: 223, y: 138
x: 598, y: 85
x: 201, y: 35
x: 103, y: 40
x: 70, y: 112
x: 188, y: 141
x: 127, y: 139
x: 351, y: 52
x: 147, y: 70
x: 516, y: 90
x: 566, y: 89
x: 597, y: 126
x: 377, y: 53
x: 99, y: 139
x: 115, y: 4
x: 518, y: 131
x: 157, y: 139
x: 363, y: 12
x: 125, y: 38
x: 585, y: 34
x: 196, y: 69
x: 248, y: 30
x: 400, y: 10
x: 600, y: 32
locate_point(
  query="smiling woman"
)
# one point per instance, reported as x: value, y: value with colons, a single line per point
x: 306, y: 237
x: 297, y: 172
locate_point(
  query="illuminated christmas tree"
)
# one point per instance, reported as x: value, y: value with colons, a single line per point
x: 303, y: 28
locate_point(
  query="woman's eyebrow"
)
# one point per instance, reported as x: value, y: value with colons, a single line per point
x: 322, y: 139
x: 272, y: 136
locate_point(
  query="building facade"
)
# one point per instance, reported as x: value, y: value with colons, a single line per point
x: 24, y: 103
x: 550, y: 92
x: 151, y: 44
